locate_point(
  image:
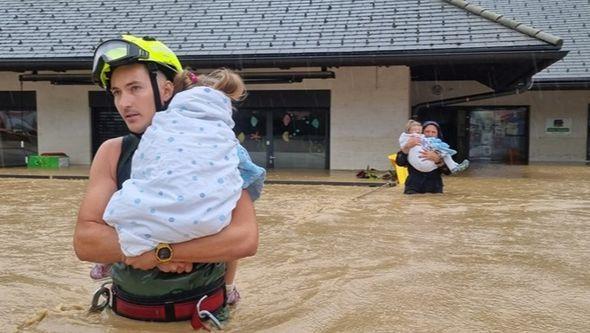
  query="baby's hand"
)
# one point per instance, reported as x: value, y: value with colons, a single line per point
x: 176, y: 267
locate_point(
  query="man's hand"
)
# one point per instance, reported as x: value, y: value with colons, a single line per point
x: 144, y: 261
x: 430, y: 155
x: 176, y: 267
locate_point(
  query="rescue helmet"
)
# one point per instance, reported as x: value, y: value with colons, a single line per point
x: 130, y: 49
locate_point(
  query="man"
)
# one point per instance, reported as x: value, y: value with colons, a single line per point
x: 165, y: 284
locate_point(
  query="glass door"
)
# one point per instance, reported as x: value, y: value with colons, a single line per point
x: 286, y: 138
x: 499, y: 135
x: 285, y: 129
x: 300, y: 138
x: 251, y: 131
x: 18, y: 127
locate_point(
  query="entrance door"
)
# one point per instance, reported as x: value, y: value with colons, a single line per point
x: 18, y: 127
x: 251, y: 130
x: 286, y: 129
x: 300, y: 139
x: 499, y: 135
x: 285, y: 138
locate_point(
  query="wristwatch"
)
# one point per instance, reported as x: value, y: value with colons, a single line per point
x: 163, y: 252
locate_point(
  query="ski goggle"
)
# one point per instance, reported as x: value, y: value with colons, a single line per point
x: 113, y: 53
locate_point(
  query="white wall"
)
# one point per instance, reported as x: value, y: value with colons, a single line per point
x: 543, y: 147
x: 63, y: 117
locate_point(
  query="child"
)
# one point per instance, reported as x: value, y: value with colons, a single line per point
x: 187, y: 173
x: 414, y: 129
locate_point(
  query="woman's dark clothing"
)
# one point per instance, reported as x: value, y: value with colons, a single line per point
x: 421, y: 182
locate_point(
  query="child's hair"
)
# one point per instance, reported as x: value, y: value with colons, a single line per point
x: 411, y: 123
x: 222, y: 79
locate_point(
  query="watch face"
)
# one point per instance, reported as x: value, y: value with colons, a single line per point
x: 164, y: 253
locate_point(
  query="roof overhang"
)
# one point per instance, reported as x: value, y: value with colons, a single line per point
x: 562, y: 84
x: 494, y: 67
x: 248, y: 77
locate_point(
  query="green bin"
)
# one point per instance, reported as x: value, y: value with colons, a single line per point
x: 47, y: 161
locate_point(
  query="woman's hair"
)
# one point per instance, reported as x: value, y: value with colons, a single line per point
x: 435, y: 124
x: 411, y: 123
x: 222, y: 79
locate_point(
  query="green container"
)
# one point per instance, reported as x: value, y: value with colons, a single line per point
x: 47, y: 162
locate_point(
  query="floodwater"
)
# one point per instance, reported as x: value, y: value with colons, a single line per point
x: 505, y: 249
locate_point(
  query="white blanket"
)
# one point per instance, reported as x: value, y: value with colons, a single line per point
x: 184, y: 177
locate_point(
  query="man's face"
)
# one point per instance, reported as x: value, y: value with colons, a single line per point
x: 134, y: 98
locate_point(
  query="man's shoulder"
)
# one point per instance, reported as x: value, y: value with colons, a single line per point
x: 111, y: 147
x: 105, y: 161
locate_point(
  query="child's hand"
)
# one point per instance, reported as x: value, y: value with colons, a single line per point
x: 144, y: 261
x: 176, y: 267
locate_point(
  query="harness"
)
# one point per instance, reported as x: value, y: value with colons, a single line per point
x: 196, y: 304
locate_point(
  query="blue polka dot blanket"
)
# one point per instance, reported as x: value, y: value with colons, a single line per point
x: 187, y: 175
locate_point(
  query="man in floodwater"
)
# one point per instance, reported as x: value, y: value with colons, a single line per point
x: 165, y: 284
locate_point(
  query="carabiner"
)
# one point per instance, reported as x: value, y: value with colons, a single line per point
x: 95, y: 306
x: 206, y: 314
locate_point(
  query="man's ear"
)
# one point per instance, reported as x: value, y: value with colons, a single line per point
x: 167, y: 91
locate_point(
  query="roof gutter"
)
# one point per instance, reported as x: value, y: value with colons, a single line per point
x: 562, y: 84
x: 248, y: 77
x: 435, y: 57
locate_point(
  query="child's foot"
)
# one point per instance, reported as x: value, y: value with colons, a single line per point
x: 233, y: 296
x: 100, y: 271
x: 461, y: 167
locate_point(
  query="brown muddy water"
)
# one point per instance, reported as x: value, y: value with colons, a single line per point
x: 505, y: 249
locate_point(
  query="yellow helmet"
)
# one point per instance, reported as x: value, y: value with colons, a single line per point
x: 128, y: 50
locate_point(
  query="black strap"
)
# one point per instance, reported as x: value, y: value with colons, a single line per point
x: 153, y: 70
x: 128, y: 147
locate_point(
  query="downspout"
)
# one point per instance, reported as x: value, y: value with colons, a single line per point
x: 421, y: 107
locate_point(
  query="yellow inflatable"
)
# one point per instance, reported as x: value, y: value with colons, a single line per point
x: 401, y: 172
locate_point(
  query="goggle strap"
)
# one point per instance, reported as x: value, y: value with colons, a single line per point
x: 153, y: 70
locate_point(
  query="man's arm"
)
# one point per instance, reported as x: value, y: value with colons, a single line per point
x: 97, y: 242
x: 94, y: 240
x: 238, y: 240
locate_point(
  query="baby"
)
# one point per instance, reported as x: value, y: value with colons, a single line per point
x: 414, y: 129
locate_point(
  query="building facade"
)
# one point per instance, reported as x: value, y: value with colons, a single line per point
x: 331, y: 84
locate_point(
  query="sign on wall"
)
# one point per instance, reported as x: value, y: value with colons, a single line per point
x: 560, y: 126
